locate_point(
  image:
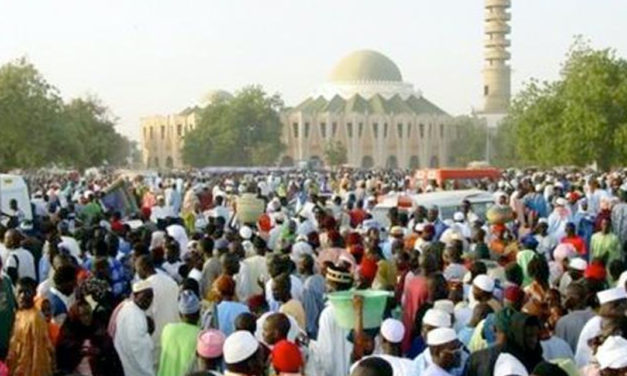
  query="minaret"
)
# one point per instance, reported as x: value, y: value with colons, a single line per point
x: 496, y: 69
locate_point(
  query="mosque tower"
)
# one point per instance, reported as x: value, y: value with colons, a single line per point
x: 496, y: 69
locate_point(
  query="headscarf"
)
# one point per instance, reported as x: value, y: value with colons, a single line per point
x: 522, y: 259
x: 516, y: 341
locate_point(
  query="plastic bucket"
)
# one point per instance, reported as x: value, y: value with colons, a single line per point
x: 374, y: 306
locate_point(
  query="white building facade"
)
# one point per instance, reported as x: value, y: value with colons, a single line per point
x: 365, y: 105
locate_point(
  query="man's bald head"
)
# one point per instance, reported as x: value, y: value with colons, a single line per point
x: 275, y: 328
x: 373, y: 366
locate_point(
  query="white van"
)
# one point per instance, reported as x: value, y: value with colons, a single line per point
x: 14, y: 187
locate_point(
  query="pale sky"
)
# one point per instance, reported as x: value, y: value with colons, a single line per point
x: 144, y: 57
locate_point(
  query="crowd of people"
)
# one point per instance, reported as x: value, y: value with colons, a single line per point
x: 197, y: 282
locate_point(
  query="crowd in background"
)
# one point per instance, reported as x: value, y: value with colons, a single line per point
x: 189, y: 285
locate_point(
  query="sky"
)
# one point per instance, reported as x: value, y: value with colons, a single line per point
x: 145, y: 57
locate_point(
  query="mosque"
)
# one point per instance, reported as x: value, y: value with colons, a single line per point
x: 380, y: 119
x: 367, y: 106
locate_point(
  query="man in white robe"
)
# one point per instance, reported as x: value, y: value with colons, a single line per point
x: 613, y: 305
x: 332, y: 350
x: 164, y: 308
x: 132, y: 339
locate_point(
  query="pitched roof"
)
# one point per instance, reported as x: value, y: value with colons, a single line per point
x: 375, y: 105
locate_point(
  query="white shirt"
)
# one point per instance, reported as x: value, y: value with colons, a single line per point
x: 400, y: 366
x: 273, y: 237
x: 164, y: 308
x: 172, y: 268
x: 132, y: 341
x: 296, y: 290
x: 178, y: 233
x: 4, y: 253
x: 26, y: 263
x: 72, y: 246
x: 161, y: 212
x: 435, y: 370
x: 257, y: 269
x: 331, y: 350
x: 243, y: 284
x: 44, y: 287
x: 583, y: 354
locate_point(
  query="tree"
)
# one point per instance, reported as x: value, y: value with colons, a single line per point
x: 241, y: 131
x: 335, y: 153
x: 29, y: 115
x: 37, y: 129
x: 470, y: 141
x: 580, y: 118
x: 89, y: 120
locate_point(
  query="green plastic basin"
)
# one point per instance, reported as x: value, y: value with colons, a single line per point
x: 374, y: 306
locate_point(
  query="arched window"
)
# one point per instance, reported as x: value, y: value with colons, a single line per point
x: 287, y: 161
x: 367, y: 162
x: 414, y: 161
x: 392, y: 162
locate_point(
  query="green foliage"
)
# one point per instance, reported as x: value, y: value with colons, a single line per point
x: 99, y: 142
x: 37, y: 129
x: 504, y: 145
x: 335, y: 153
x: 580, y: 118
x: 470, y: 142
x: 242, y: 131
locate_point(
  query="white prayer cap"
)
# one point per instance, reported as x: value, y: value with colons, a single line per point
x: 392, y: 330
x: 141, y: 285
x: 239, y: 346
x: 445, y: 305
x: 245, y: 232
x: 437, y: 318
x: 612, y: 353
x: 543, y: 220
x: 508, y: 365
x: 539, y: 188
x: 484, y: 283
x: 440, y: 336
x: 458, y: 216
x: 561, y: 201
x: 419, y: 227
x: 622, y: 280
x: 578, y: 264
x: 610, y: 295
